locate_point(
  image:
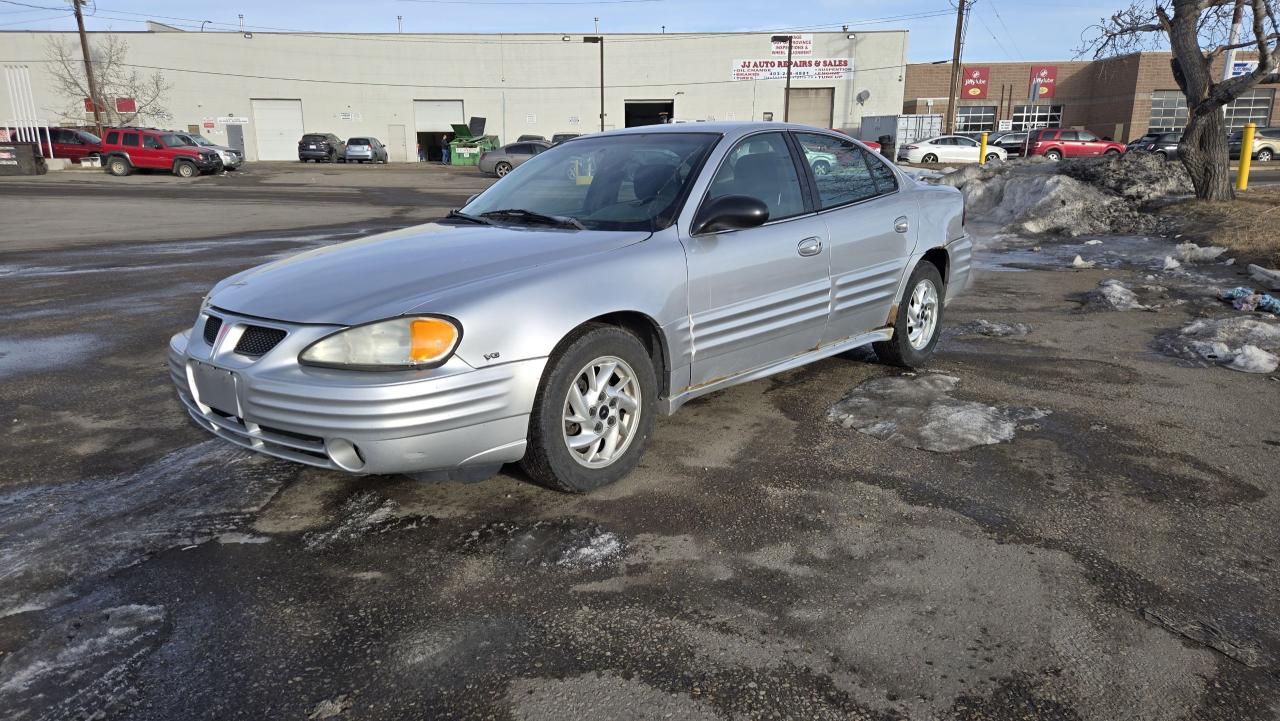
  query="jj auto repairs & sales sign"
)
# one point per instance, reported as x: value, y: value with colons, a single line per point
x: 975, y: 82
x: 803, y: 69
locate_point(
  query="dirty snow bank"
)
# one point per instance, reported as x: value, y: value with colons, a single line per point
x: 917, y: 411
x: 1237, y: 342
x: 1111, y: 294
x: 1072, y: 197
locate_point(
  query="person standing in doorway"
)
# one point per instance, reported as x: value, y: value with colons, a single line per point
x: 422, y: 154
x: 444, y: 149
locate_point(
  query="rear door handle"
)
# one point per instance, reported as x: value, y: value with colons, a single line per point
x: 901, y: 225
x: 809, y: 246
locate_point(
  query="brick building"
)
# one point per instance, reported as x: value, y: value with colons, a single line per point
x: 1120, y: 98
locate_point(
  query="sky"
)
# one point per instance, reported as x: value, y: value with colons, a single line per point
x: 999, y: 30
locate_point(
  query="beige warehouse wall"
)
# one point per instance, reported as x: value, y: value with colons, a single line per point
x: 521, y: 83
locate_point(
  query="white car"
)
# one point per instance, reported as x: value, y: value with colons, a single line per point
x: 948, y: 149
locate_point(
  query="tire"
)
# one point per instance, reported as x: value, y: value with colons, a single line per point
x: 119, y: 167
x: 185, y: 169
x: 1162, y: 155
x: 821, y: 167
x: 501, y: 169
x: 929, y: 158
x: 332, y: 158
x: 900, y: 350
x: 1111, y: 151
x: 1054, y: 155
x: 549, y: 459
x: 992, y: 157
x: 1264, y: 156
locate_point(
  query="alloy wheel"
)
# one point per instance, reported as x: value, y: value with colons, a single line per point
x: 601, y: 412
x: 922, y: 314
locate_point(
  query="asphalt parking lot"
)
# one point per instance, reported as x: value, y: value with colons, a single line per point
x: 775, y: 555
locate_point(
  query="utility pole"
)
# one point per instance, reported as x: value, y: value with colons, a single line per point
x: 786, y: 99
x: 399, y: 23
x: 94, y: 100
x: 1237, y: 15
x: 949, y: 121
x: 599, y: 39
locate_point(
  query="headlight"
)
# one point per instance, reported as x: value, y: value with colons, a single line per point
x: 397, y: 344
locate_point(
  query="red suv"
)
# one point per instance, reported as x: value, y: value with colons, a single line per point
x: 1058, y: 143
x: 127, y: 149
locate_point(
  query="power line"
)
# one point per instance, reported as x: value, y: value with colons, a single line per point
x: 37, y: 20
x: 1012, y: 39
x: 532, y: 2
x: 993, y: 37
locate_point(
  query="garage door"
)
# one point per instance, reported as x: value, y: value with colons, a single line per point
x: 278, y: 126
x: 435, y: 116
x: 812, y: 106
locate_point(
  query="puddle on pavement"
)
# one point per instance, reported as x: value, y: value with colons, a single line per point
x: 569, y: 543
x: 24, y: 355
x: 917, y: 411
x: 52, y: 537
x: 80, y: 667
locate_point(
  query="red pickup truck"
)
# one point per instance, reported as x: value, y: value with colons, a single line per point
x: 1059, y: 143
x: 127, y: 149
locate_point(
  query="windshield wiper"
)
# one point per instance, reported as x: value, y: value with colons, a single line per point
x: 467, y: 217
x: 522, y: 214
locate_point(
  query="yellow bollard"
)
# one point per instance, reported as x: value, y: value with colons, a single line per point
x: 982, y: 150
x: 1246, y: 157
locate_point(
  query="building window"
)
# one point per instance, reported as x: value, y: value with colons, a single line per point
x: 1168, y: 111
x: 1027, y: 117
x: 975, y: 118
x: 1251, y: 107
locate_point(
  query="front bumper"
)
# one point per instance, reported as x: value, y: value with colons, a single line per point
x: 361, y: 422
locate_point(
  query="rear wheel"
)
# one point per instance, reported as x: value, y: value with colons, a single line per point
x: 1162, y: 155
x: 119, y: 167
x: 594, y: 411
x: 502, y: 168
x: 333, y: 157
x: 186, y: 169
x: 1054, y: 155
x: 929, y: 158
x: 1265, y: 155
x: 821, y: 167
x: 1111, y: 151
x: 915, y: 329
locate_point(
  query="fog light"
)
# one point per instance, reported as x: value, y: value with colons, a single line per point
x: 344, y: 454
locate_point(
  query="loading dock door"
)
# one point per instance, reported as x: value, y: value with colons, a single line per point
x: 437, y: 116
x: 813, y: 106
x: 277, y: 124
x: 648, y: 112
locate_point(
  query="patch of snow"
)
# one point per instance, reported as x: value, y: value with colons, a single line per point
x: 1252, y: 359
x: 1170, y: 263
x: 597, y: 551
x: 1095, y: 241
x: 989, y: 329
x: 1239, y: 342
x: 1081, y: 263
x: 241, y: 538
x: 1111, y: 294
x: 917, y: 411
x: 1192, y: 253
x: 362, y: 514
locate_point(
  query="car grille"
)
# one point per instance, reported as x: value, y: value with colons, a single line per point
x: 211, y: 328
x: 257, y: 340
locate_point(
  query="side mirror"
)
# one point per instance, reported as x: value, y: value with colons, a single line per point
x: 731, y: 212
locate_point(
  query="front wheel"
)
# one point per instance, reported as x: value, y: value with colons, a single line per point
x: 992, y: 156
x: 821, y: 167
x: 1053, y: 155
x: 594, y: 411
x: 1112, y: 151
x: 501, y: 169
x: 1264, y: 155
x: 119, y: 167
x: 186, y: 169
x: 929, y: 158
x: 915, y: 329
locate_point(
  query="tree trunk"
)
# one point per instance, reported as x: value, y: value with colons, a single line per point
x: 1204, y: 154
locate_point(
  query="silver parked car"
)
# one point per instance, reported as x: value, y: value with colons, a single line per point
x: 364, y: 149
x: 550, y: 320
x: 231, y: 158
x: 503, y: 160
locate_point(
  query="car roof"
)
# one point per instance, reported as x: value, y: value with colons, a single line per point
x: 728, y: 128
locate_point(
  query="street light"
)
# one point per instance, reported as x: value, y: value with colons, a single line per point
x: 786, y: 99
x: 599, y: 39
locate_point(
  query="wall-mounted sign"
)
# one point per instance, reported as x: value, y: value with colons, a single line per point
x: 766, y: 116
x: 350, y: 116
x: 1044, y: 79
x: 1005, y: 125
x: 208, y: 124
x: 974, y: 85
x: 800, y: 45
x: 1243, y: 67
x: 809, y: 69
x: 530, y: 118
x: 232, y: 120
x: 126, y: 105
x: 574, y: 120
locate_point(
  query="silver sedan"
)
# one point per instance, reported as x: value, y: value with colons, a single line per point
x: 610, y: 279
x: 505, y: 159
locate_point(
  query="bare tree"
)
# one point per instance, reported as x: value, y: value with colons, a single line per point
x: 115, y: 79
x: 1197, y: 33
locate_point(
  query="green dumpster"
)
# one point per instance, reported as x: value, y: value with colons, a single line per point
x: 465, y: 148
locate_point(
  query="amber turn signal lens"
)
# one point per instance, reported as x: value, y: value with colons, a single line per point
x: 430, y: 339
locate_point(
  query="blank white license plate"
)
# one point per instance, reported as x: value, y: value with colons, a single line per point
x: 215, y: 387
x: 312, y: 147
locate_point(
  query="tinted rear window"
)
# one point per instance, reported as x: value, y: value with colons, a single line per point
x: 131, y: 140
x: 358, y: 141
x: 113, y: 137
x: 314, y: 138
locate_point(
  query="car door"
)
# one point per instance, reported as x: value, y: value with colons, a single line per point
x: 519, y: 152
x: 965, y: 150
x: 1089, y: 143
x: 758, y: 295
x: 871, y: 224
x: 131, y: 142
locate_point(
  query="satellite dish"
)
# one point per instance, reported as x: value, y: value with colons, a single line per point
x: 862, y: 96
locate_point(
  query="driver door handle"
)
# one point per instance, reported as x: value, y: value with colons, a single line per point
x: 901, y: 225
x: 809, y: 246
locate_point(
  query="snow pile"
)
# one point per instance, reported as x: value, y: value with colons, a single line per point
x: 917, y: 412
x: 1192, y: 253
x: 1082, y: 264
x: 1073, y: 197
x: 1237, y: 342
x: 1111, y: 294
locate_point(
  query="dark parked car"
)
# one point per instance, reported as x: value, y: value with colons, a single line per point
x: 1163, y: 144
x: 1014, y: 143
x: 319, y: 147
x: 1266, y: 144
x: 561, y: 137
x: 1132, y: 144
x: 364, y: 149
x: 531, y: 139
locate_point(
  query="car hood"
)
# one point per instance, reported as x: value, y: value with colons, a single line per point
x: 391, y: 274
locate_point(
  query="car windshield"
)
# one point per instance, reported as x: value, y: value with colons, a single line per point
x: 618, y: 182
x: 90, y: 137
x: 198, y: 139
x: 173, y: 140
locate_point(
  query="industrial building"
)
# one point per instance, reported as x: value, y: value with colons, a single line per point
x: 261, y: 92
x: 1120, y: 98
